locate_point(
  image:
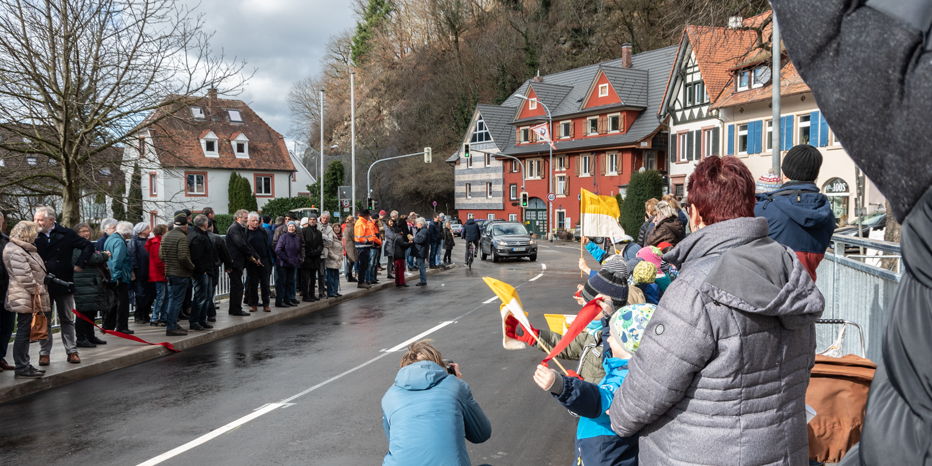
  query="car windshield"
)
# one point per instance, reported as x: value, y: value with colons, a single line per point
x: 509, y: 229
x: 871, y: 219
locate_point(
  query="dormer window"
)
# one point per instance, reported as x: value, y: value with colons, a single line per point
x: 235, y: 116
x: 209, y: 144
x: 603, y: 90
x: 240, y: 144
x: 760, y: 76
x: 532, y: 105
x: 198, y: 113
x: 744, y: 80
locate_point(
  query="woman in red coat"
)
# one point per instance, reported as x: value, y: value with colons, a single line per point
x: 157, y: 275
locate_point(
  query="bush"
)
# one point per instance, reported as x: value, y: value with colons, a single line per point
x: 223, y: 221
x: 240, y: 194
x: 282, y: 205
x: 643, y: 186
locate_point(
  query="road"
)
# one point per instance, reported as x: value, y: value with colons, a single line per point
x: 308, y: 391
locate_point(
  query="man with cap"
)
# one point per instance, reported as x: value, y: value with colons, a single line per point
x: 799, y: 216
x: 175, y: 252
x: 366, y: 237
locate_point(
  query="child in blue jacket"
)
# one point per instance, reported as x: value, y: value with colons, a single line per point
x: 596, y: 442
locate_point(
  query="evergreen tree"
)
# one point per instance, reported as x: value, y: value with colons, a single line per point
x: 333, y: 178
x: 376, y: 13
x: 240, y: 195
x: 134, y: 201
x: 117, y: 204
x: 233, y: 193
x: 643, y: 186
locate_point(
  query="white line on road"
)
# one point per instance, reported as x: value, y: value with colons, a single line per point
x: 536, y: 277
x: 543, y: 266
x: 489, y: 301
x: 419, y: 337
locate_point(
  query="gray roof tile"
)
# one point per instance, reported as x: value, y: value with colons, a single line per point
x: 629, y: 83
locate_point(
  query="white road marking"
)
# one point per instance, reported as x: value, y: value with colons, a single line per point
x: 419, y: 337
x: 490, y: 300
x: 543, y: 266
x: 536, y: 277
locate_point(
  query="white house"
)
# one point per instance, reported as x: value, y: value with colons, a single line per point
x: 187, y: 158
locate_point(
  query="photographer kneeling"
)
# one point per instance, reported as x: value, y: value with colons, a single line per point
x: 428, y: 412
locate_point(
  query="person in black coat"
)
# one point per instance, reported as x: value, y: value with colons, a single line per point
x: 260, y: 272
x: 204, y: 257
x: 223, y: 261
x: 142, y: 287
x: 421, y: 249
x: 7, y: 318
x: 313, y: 246
x: 400, y: 246
x: 241, y: 253
x: 55, y: 245
x: 435, y: 231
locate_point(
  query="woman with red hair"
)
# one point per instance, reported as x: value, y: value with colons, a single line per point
x: 722, y: 370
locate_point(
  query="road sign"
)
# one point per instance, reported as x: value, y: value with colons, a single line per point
x: 346, y: 202
x: 435, y: 203
x: 346, y: 209
x: 551, y: 197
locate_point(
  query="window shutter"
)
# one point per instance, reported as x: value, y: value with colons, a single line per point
x: 715, y: 138
x: 577, y: 162
x: 602, y: 163
x: 755, y: 137
x: 697, y: 148
x: 731, y: 140
x: 788, y: 133
x: 814, y: 139
x: 689, y: 146
x: 673, y: 153
x: 572, y: 129
x: 823, y: 131
x: 602, y: 124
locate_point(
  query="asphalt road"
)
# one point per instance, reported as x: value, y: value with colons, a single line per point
x: 308, y: 391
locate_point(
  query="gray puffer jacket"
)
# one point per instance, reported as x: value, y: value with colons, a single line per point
x: 722, y: 370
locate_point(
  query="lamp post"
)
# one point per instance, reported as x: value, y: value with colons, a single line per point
x: 353, y: 138
x: 320, y: 172
x: 549, y: 178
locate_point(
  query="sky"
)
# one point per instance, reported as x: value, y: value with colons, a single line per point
x: 282, y: 40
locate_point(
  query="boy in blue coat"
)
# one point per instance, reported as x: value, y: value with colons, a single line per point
x: 596, y: 442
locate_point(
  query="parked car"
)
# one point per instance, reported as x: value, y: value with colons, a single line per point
x: 502, y: 239
x: 594, y: 239
x: 456, y: 226
x: 870, y: 222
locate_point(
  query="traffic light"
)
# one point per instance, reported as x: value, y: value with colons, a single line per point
x: 523, y: 198
x: 427, y: 155
x: 466, y: 151
x: 370, y: 203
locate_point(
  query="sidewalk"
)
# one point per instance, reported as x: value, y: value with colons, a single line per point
x: 119, y: 353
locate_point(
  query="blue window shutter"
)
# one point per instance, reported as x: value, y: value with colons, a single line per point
x: 788, y: 135
x: 731, y: 140
x: 758, y: 137
x: 782, y: 133
x: 814, y: 134
x: 823, y: 131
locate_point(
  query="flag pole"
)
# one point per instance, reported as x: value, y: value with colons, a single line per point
x: 547, y: 349
x: 581, y: 235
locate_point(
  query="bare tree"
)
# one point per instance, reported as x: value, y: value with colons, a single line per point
x: 78, y: 75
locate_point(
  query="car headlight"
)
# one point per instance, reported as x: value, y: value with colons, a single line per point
x: 531, y: 242
x: 500, y: 243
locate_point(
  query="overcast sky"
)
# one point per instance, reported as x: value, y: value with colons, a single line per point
x: 283, y: 40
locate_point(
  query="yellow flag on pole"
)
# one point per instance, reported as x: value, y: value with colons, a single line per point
x: 600, y: 216
x: 511, y: 305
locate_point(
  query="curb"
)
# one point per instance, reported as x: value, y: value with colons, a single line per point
x: 136, y: 354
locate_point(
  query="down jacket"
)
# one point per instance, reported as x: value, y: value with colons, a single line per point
x: 175, y: 254
x: 156, y: 266
x: 721, y: 373
x: 334, y: 251
x: 27, y: 272
x: 670, y: 229
x: 90, y: 292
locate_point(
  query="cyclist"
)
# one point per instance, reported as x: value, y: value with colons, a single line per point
x: 471, y: 235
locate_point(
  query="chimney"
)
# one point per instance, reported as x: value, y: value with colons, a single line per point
x: 735, y: 22
x: 212, y: 93
x: 626, y: 56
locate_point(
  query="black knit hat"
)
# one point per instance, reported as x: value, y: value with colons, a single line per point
x: 802, y: 163
x: 611, y: 284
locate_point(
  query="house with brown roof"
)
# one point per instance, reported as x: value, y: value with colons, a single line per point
x: 718, y: 101
x: 188, y: 156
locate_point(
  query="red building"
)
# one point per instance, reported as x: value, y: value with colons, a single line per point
x: 602, y: 130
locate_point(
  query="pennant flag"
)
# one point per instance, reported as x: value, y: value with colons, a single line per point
x: 543, y: 132
x: 600, y: 216
x: 511, y: 305
x: 585, y: 316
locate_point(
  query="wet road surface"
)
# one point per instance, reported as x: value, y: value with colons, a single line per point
x: 308, y: 391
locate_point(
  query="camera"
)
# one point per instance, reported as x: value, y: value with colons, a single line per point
x: 448, y: 364
x: 51, y: 279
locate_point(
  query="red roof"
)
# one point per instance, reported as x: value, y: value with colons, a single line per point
x: 177, y: 138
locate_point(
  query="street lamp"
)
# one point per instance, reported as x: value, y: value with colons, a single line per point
x: 550, y: 178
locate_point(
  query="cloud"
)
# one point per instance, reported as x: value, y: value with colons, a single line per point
x: 283, y: 40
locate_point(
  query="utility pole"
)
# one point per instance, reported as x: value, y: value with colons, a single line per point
x: 775, y: 81
x: 320, y: 178
x: 353, y: 138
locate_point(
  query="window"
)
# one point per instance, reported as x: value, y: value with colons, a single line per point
x: 678, y: 190
x: 586, y: 169
x: 743, y: 139
x: 153, y: 184
x: 488, y: 190
x: 235, y: 116
x: 758, y: 78
x: 470, y: 215
x: 804, y: 129
x: 603, y: 90
x: 240, y: 148
x: 769, y: 136
x: 565, y: 129
x: 835, y: 141
x: 706, y: 142
x: 31, y: 160
x: 209, y: 144
x: 104, y: 172
x: 561, y: 163
x: 197, y: 113
x: 481, y: 133
x: 513, y: 192
x: 488, y: 160
x: 743, y: 80
x: 240, y: 145
x: 683, y: 146
x: 525, y: 134
x: 614, y: 123
x: 512, y: 217
x: 700, y: 95
x: 264, y: 185
x: 612, y: 164
x: 650, y: 161
x: 195, y: 184
x: 468, y: 191
x: 561, y: 219
x: 690, y: 97
x: 514, y: 166
x: 561, y: 185
x: 533, y: 168
x: 532, y: 104
x: 592, y: 124
x: 491, y: 217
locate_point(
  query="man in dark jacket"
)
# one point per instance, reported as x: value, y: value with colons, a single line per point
x: 314, y: 245
x: 435, y: 231
x: 223, y: 261
x: 204, y: 257
x: 421, y: 249
x: 798, y: 214
x: 471, y: 235
x: 723, y: 365
x: 142, y: 287
x: 241, y: 253
x: 175, y: 252
x: 888, y: 137
x: 56, y: 244
x: 259, y: 272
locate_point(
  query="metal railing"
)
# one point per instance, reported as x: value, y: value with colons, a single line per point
x: 857, y: 290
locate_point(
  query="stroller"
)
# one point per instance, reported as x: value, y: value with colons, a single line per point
x: 837, y: 392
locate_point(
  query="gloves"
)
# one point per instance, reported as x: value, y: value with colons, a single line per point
x: 511, y: 331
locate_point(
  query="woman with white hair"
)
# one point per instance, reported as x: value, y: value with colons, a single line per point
x: 669, y: 228
x: 421, y: 249
x: 121, y: 268
x: 27, y: 293
x: 143, y: 289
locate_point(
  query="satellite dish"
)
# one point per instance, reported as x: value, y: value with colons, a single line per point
x: 641, y: 170
x: 765, y: 75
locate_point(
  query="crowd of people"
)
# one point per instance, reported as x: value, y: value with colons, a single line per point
x: 702, y: 345
x: 170, y: 273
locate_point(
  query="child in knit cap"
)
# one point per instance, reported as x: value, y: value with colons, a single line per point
x: 643, y: 278
x: 596, y: 442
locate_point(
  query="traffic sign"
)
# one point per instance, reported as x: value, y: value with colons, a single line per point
x: 346, y: 209
x: 435, y: 203
x: 551, y: 197
x: 346, y: 202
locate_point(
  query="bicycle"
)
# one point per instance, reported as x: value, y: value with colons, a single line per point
x: 470, y: 254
